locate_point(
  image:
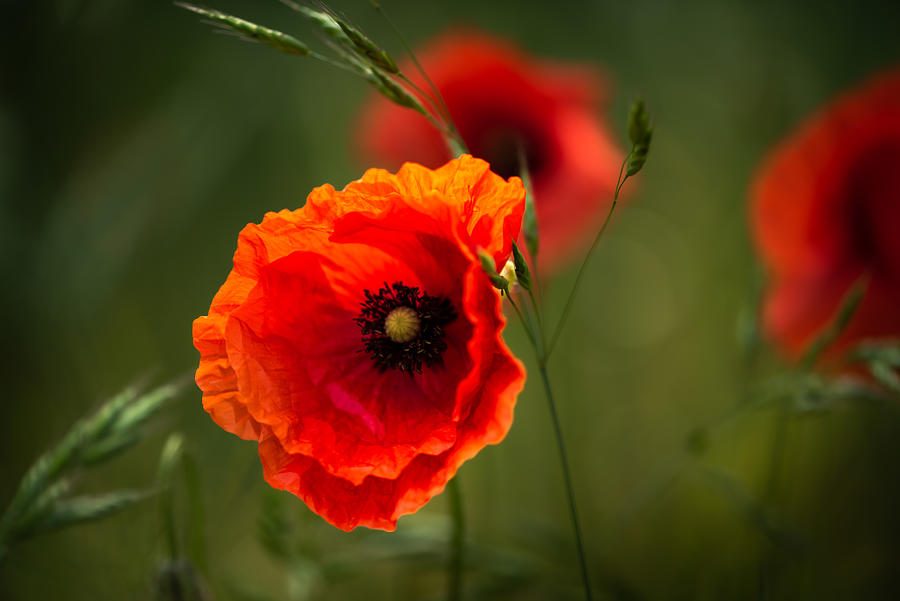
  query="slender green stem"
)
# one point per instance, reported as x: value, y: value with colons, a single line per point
x: 440, y: 105
x: 568, y: 307
x: 330, y: 61
x: 445, y: 131
x: 536, y: 273
x: 545, y: 378
x: 537, y: 341
x: 449, y: 131
x: 525, y: 324
x: 540, y: 320
x: 533, y: 320
x: 772, y: 394
x: 443, y: 124
x: 457, y: 541
x: 422, y: 93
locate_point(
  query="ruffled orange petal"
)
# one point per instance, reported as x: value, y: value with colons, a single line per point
x: 281, y: 355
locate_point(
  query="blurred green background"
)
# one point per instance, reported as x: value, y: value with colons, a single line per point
x: 135, y: 144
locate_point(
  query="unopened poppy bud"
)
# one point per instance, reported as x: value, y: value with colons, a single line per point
x: 523, y: 273
x: 487, y: 264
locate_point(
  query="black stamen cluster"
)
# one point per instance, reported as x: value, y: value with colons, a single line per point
x: 426, y: 348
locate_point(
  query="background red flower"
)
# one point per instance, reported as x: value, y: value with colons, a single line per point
x: 498, y: 97
x: 826, y: 211
x: 283, y: 359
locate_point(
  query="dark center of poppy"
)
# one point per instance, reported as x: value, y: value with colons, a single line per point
x: 499, y: 140
x: 873, y: 199
x: 403, y: 328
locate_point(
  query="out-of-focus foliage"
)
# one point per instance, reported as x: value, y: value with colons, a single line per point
x: 134, y: 145
x: 43, y: 501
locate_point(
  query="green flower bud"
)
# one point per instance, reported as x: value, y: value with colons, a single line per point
x: 523, y: 273
x: 487, y: 264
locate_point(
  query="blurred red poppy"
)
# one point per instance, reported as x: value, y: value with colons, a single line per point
x: 501, y: 99
x: 826, y: 212
x: 358, y: 339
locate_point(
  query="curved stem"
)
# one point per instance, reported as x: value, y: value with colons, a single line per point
x: 568, y: 307
x: 564, y: 461
x: 525, y: 324
x: 540, y: 320
x: 438, y: 102
x: 457, y: 542
x: 451, y: 135
x: 537, y: 341
x: 330, y: 61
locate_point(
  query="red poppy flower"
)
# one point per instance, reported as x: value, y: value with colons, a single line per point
x: 500, y: 98
x: 358, y: 339
x: 826, y: 211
